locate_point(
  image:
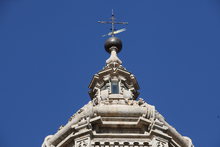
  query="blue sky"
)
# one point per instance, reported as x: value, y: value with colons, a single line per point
x: 50, y: 49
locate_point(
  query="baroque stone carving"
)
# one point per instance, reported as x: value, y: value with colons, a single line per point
x: 84, y: 142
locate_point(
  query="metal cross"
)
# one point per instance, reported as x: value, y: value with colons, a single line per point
x: 113, y: 22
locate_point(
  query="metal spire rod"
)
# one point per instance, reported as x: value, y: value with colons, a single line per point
x: 113, y: 22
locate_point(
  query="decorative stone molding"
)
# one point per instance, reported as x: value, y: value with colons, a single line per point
x: 120, y: 144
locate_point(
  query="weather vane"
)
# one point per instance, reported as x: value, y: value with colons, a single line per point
x: 113, y: 22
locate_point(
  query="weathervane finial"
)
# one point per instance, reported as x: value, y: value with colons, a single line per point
x: 113, y: 22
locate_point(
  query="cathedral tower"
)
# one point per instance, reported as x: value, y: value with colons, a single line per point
x: 115, y: 116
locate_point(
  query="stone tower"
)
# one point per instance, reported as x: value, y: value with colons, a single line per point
x: 115, y: 116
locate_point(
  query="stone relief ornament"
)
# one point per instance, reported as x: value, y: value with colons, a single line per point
x: 159, y: 142
x: 82, y: 142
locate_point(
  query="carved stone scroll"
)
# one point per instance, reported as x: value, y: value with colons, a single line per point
x: 82, y: 141
x: 159, y: 142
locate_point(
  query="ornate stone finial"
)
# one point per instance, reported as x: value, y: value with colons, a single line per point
x: 113, y: 58
x: 113, y: 46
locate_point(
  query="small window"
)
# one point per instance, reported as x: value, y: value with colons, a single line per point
x: 114, y: 87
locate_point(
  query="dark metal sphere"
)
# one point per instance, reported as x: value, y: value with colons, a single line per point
x: 113, y: 42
